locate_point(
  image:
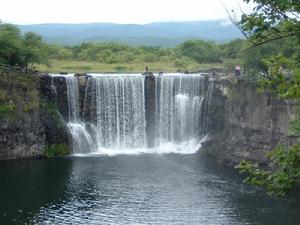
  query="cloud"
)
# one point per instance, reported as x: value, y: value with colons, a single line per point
x: 117, y: 11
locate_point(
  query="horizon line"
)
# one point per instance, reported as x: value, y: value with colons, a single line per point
x: 116, y: 23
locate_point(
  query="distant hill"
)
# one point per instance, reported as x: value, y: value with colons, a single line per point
x: 166, y: 34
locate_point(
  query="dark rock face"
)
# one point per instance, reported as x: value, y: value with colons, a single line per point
x: 61, y: 96
x: 21, y: 129
x: 150, y: 109
x: 88, y: 105
x: 55, y: 130
x: 23, y: 138
x: 246, y: 124
x: 32, y: 121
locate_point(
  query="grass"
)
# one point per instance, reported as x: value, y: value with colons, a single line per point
x: 56, y: 66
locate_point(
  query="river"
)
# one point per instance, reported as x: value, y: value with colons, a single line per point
x: 134, y: 189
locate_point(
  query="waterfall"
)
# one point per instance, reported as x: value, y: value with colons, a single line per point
x: 180, y: 98
x: 113, y: 118
x: 120, y: 110
x: 73, y: 97
x: 82, y: 139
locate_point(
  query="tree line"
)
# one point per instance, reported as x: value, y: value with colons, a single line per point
x: 25, y: 50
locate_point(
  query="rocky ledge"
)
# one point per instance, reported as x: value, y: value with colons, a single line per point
x: 246, y: 123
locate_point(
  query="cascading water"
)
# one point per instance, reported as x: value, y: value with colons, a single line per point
x: 120, y: 110
x: 114, y: 113
x: 179, y: 114
x: 81, y: 138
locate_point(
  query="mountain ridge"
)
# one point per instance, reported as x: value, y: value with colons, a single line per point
x: 169, y: 33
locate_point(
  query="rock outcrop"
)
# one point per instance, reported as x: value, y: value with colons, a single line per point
x: 29, y: 119
x: 245, y: 123
x: 21, y: 130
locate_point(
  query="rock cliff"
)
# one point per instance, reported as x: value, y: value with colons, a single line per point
x: 245, y: 123
x: 21, y: 130
x: 29, y: 120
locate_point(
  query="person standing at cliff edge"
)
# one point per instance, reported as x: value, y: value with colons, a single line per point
x: 237, y: 71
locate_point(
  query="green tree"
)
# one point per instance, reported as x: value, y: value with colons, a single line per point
x: 275, y: 20
x: 10, y: 45
x: 199, y: 50
x: 271, y: 20
x: 234, y: 49
x: 33, y: 49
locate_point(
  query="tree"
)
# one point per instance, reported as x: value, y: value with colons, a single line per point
x: 275, y: 20
x: 18, y: 50
x: 10, y: 45
x: 200, y: 51
x: 33, y: 49
x: 271, y: 20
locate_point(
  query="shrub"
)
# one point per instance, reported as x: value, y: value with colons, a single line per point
x: 53, y: 150
x: 278, y: 181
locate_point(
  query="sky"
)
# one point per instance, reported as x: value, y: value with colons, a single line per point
x: 115, y: 11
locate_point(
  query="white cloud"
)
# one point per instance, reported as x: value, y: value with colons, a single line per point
x: 118, y: 11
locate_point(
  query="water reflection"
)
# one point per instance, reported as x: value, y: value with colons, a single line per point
x: 28, y: 185
x: 140, y: 189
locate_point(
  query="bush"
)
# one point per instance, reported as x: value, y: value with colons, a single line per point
x: 53, y: 150
x: 180, y: 63
x: 280, y: 180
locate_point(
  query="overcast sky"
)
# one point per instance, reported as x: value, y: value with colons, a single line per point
x: 116, y: 11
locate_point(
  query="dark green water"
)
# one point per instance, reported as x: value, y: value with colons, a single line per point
x: 142, y: 189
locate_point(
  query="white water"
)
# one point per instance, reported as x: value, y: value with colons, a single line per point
x: 82, y: 140
x: 120, y: 109
x: 119, y: 125
x: 180, y: 104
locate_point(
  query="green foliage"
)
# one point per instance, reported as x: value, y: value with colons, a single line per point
x: 200, y: 51
x: 181, y: 63
x: 283, y: 77
x: 234, y: 49
x: 294, y: 128
x: 33, y: 49
x: 10, y: 45
x: 53, y: 150
x: 18, y: 50
x: 283, y: 178
x: 271, y: 20
x: 7, y: 110
x: 278, y: 59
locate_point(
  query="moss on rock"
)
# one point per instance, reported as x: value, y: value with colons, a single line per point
x: 53, y: 150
